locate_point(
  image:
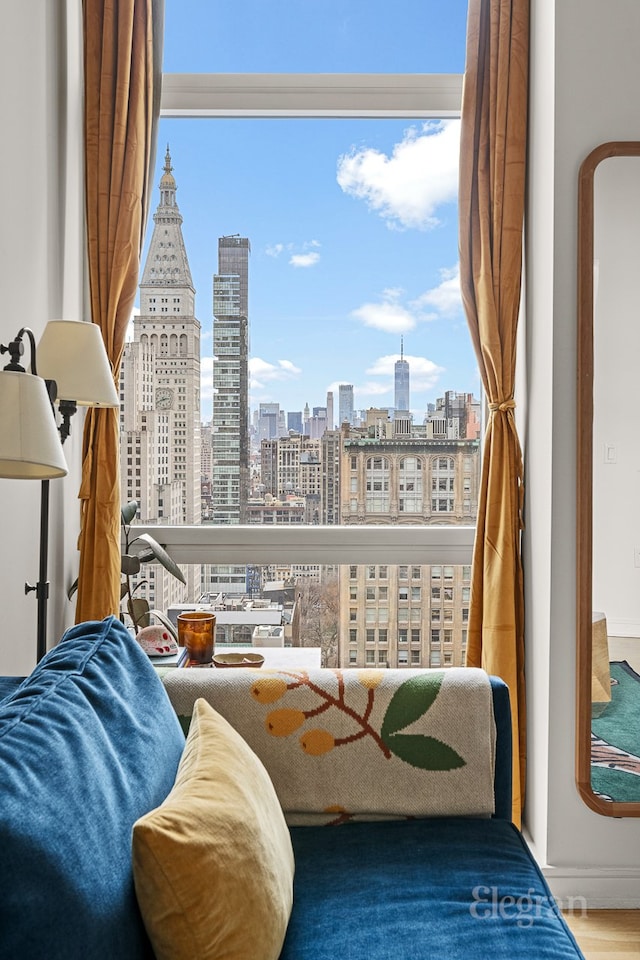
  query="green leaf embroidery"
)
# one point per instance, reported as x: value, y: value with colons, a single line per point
x: 427, y: 753
x: 410, y: 702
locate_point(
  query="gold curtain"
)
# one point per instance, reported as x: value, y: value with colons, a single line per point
x: 491, y: 210
x: 120, y: 81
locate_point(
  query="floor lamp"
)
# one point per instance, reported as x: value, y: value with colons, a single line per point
x: 74, y: 371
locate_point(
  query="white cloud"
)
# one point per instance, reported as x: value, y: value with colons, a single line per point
x: 392, y: 316
x: 304, y: 259
x: 262, y: 372
x: 306, y: 256
x: 445, y: 299
x: 407, y: 187
x: 389, y: 315
x: 373, y: 388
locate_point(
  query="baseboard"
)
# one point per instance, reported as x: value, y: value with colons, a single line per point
x: 605, y: 889
x: 577, y: 889
x: 623, y: 628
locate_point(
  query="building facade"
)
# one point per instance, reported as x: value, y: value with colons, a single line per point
x: 160, y: 392
x: 405, y: 615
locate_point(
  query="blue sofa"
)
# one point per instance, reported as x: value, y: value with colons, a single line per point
x: 92, y: 740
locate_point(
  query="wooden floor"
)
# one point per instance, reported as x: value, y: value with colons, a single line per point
x: 607, y: 934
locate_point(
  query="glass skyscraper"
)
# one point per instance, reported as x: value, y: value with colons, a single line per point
x: 401, y: 382
x: 230, y: 426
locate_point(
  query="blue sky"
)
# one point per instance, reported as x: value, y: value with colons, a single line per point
x: 352, y: 223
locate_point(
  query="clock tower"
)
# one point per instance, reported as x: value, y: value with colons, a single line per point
x: 160, y: 388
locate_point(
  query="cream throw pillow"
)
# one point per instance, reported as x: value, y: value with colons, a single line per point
x: 213, y: 865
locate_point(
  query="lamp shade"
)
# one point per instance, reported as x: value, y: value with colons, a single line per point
x: 72, y: 353
x: 30, y: 446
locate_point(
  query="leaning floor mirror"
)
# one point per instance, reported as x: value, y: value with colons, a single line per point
x: 608, y: 481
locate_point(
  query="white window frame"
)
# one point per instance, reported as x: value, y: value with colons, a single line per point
x: 259, y: 95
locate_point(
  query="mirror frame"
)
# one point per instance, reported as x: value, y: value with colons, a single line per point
x: 584, y: 476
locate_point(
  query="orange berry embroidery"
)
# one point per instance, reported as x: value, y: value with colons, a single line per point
x: 268, y: 689
x: 317, y: 742
x: 280, y: 723
x: 370, y: 678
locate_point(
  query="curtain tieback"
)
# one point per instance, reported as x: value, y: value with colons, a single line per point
x: 502, y: 405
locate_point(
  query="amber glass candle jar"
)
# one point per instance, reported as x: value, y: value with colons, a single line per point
x: 196, y: 632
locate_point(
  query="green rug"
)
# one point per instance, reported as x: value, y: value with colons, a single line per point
x: 615, y: 739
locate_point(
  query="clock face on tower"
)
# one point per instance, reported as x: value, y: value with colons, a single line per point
x: 164, y: 398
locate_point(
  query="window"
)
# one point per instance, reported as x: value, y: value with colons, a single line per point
x: 371, y: 636
x: 378, y: 471
x: 380, y: 480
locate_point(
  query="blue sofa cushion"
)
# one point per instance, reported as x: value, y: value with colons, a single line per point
x: 409, y: 890
x: 88, y: 744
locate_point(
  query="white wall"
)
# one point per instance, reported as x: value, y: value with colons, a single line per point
x: 41, y: 249
x: 585, y: 81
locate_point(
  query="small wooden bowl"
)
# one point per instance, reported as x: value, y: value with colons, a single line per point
x: 238, y: 660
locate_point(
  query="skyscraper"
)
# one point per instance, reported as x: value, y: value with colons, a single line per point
x: 160, y: 388
x: 230, y: 425
x: 401, y: 382
x: 330, y: 423
x: 345, y: 403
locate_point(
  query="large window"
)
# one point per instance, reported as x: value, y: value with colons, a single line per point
x: 318, y: 222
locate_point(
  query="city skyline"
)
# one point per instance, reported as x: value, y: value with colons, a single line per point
x: 352, y: 223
